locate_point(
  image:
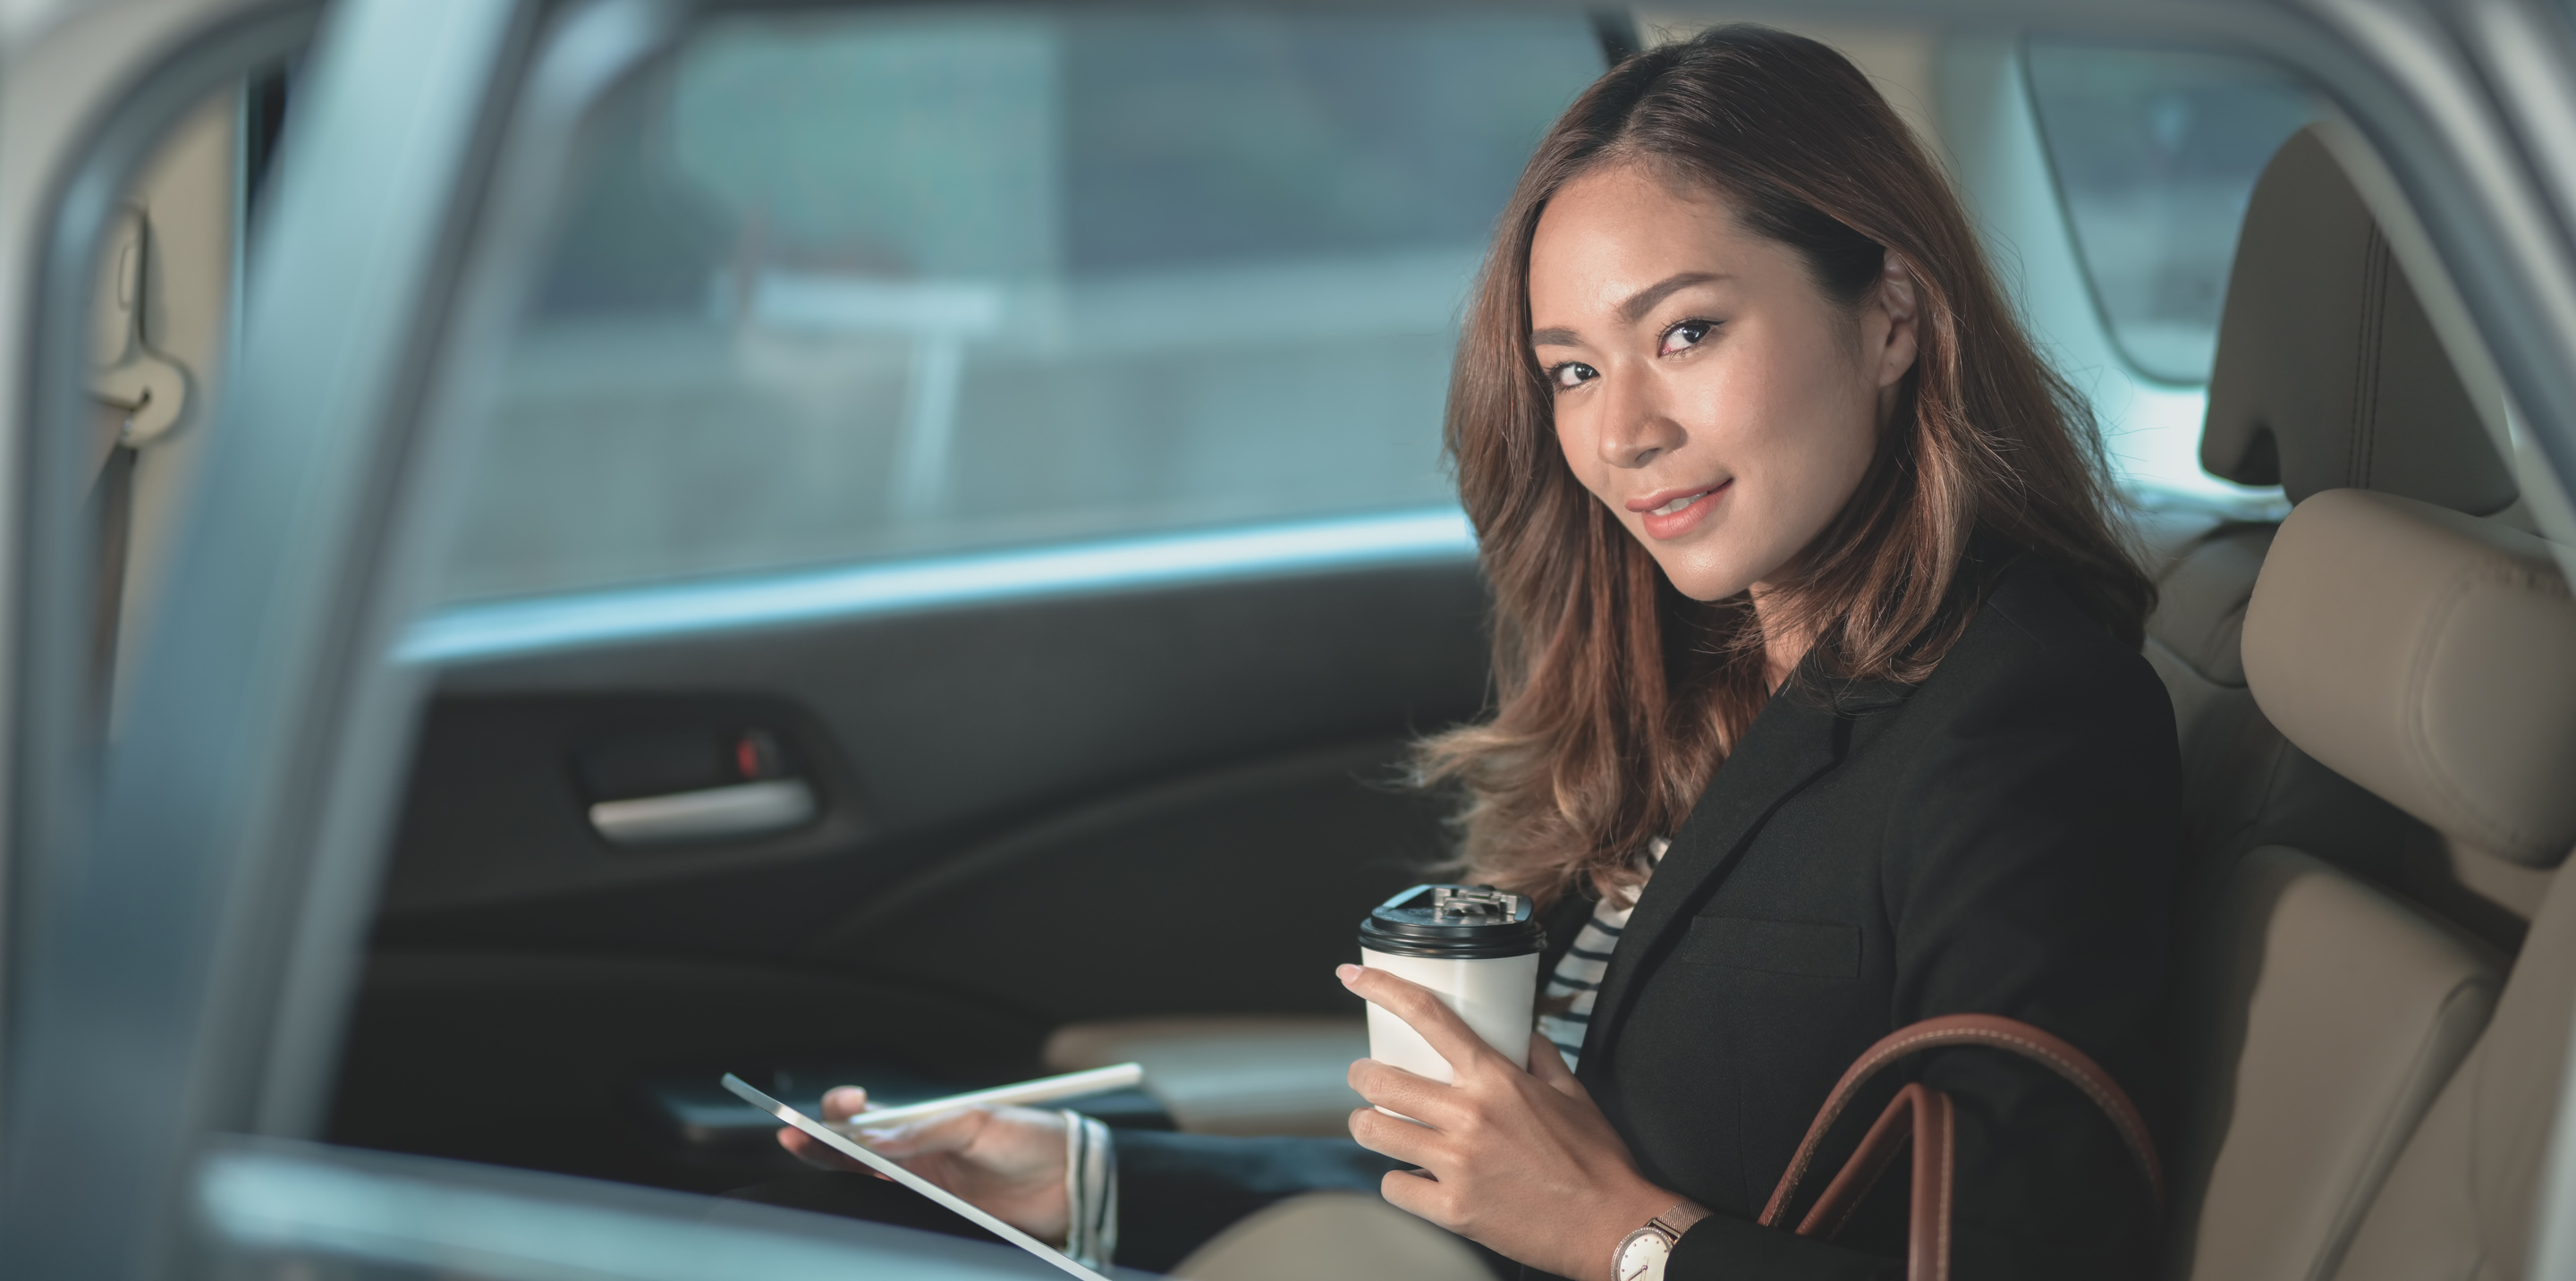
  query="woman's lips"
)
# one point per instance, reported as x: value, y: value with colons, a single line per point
x: 1674, y: 514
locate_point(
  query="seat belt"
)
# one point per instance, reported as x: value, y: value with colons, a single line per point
x: 111, y: 502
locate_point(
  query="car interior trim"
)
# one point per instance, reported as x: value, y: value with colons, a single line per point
x: 506, y: 629
x: 241, y: 873
x: 273, y: 1195
x: 737, y: 812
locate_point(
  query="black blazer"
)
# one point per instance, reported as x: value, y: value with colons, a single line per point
x: 2002, y: 839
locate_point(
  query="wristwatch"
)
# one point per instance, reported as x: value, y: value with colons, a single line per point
x: 1642, y: 1254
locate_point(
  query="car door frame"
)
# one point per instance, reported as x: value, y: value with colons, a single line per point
x: 177, y: 900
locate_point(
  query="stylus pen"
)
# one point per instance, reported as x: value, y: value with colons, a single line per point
x: 1117, y: 1076
x: 859, y: 1152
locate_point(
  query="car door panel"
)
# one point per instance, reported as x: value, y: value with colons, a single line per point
x: 935, y: 725
x: 500, y: 812
x: 535, y: 1058
x: 1231, y: 890
x: 1122, y: 803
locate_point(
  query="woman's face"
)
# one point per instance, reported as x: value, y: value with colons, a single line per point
x: 1707, y: 390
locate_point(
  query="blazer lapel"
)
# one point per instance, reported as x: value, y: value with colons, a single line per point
x: 1797, y: 737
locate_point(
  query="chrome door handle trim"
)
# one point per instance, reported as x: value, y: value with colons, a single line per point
x: 741, y: 810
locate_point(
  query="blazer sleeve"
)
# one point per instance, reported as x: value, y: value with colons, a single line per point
x: 2030, y: 872
x: 1723, y: 1248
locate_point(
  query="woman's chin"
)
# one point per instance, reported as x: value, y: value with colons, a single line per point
x: 1703, y: 582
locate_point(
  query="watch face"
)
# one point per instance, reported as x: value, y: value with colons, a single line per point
x: 1642, y: 1255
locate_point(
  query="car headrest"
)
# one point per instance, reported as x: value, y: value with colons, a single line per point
x: 2428, y: 656
x: 2329, y: 374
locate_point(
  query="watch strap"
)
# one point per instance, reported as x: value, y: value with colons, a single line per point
x: 1669, y: 1225
x: 1672, y: 1223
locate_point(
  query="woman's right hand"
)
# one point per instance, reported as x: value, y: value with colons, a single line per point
x: 1006, y: 1161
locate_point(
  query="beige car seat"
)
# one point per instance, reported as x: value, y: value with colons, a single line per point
x: 2328, y: 376
x: 2431, y: 657
x: 1345, y: 1236
x: 2350, y: 947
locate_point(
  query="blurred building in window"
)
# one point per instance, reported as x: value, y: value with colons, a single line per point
x: 837, y: 287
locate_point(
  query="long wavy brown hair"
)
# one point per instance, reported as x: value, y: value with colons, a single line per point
x: 1617, y: 696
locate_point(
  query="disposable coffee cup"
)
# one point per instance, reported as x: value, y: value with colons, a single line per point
x: 1474, y: 946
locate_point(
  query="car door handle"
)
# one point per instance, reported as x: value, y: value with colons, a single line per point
x: 716, y: 813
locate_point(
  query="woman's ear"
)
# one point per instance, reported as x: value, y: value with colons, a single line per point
x: 1898, y: 304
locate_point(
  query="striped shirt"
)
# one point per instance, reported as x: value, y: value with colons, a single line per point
x: 1090, y: 1192
x: 1565, y: 1007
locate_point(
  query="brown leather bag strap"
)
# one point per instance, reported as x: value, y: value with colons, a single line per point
x: 1950, y: 1029
x: 1928, y: 1252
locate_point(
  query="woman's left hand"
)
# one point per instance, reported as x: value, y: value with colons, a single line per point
x: 1522, y: 1162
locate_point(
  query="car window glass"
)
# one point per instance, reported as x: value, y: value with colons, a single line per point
x: 836, y: 287
x: 2155, y: 153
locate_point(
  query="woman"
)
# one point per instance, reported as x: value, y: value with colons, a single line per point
x: 1821, y: 713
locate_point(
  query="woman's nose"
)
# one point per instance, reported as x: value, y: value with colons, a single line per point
x: 1635, y: 426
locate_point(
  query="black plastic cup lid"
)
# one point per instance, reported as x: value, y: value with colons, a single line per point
x: 1463, y: 922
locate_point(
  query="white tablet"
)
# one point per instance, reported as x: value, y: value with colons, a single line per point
x: 854, y: 1150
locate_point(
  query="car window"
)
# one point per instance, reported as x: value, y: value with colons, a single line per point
x: 2155, y: 152
x: 840, y: 287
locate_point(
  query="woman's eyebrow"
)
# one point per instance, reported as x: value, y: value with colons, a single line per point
x: 1644, y: 300
x: 1634, y: 309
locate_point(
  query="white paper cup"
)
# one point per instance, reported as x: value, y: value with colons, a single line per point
x: 1475, y: 948
x: 1495, y: 996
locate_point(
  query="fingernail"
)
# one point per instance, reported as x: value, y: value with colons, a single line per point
x: 1346, y: 973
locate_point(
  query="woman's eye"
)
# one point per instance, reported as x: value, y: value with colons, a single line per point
x: 1686, y: 335
x: 1572, y: 373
